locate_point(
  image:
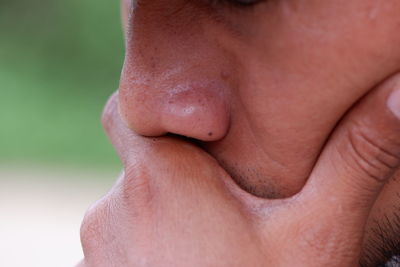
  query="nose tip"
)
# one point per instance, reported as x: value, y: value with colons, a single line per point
x: 195, y: 110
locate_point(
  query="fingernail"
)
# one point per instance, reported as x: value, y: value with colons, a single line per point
x: 394, y: 102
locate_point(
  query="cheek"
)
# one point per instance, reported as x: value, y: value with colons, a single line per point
x: 287, y: 77
x: 309, y: 63
x: 301, y: 70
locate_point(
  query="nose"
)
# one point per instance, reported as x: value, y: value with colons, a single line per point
x: 173, y: 80
x: 197, y: 110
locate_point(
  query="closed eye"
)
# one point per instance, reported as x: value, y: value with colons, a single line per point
x: 238, y: 3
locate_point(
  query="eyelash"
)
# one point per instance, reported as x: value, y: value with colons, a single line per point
x: 243, y: 3
x: 236, y: 3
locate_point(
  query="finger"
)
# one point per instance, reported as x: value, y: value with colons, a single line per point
x: 328, y: 217
x: 127, y: 143
x: 157, y: 164
x: 102, y: 247
x: 133, y: 148
x: 114, y: 127
x: 363, y: 152
x: 164, y: 183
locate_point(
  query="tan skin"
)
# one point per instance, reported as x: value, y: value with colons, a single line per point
x: 261, y: 89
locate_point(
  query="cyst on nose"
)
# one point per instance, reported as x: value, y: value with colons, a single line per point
x: 210, y: 134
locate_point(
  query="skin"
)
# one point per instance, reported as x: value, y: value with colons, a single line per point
x: 261, y: 78
x: 262, y: 90
x: 175, y: 206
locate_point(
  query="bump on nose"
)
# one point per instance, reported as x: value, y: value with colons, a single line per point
x: 194, y: 110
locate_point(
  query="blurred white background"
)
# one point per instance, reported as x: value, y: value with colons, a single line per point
x: 40, y: 216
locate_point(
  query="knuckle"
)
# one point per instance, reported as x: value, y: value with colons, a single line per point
x: 92, y: 228
x: 109, y: 112
x: 376, y: 155
x: 105, y: 118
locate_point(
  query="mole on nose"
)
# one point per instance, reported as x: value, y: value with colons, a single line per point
x: 195, y: 110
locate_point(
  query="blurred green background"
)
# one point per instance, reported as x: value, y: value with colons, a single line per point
x: 59, y: 62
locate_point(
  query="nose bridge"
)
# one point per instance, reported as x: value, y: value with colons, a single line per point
x: 166, y: 35
x: 171, y: 80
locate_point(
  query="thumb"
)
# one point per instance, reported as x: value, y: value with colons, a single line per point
x: 363, y: 152
x: 361, y: 155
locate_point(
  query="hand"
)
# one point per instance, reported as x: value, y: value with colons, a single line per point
x: 175, y: 206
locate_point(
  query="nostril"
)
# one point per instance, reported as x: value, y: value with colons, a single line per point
x: 187, y: 139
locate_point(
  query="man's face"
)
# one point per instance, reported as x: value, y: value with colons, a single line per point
x: 260, y: 87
